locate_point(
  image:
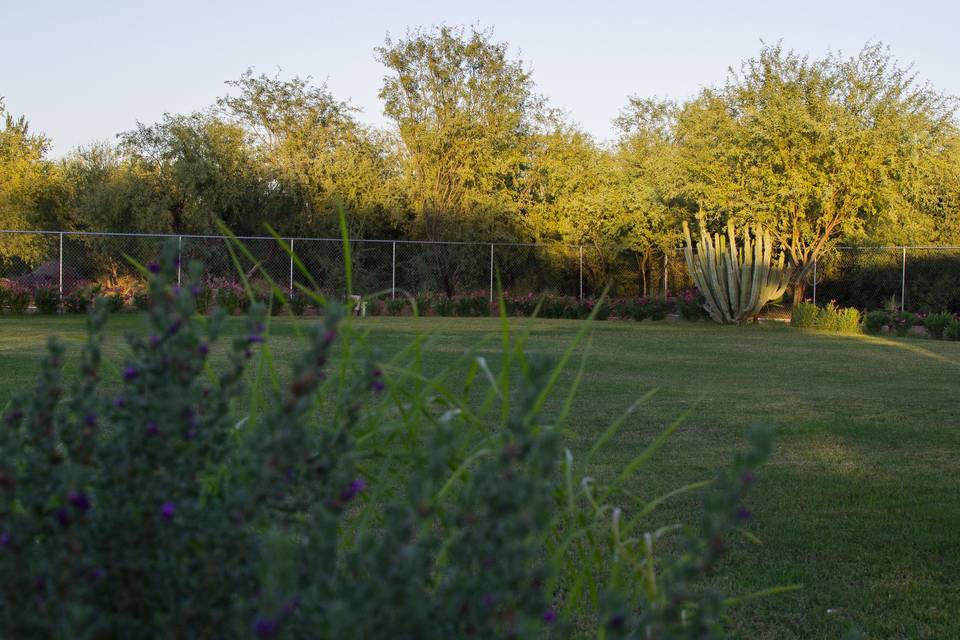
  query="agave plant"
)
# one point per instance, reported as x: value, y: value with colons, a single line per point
x: 736, y: 281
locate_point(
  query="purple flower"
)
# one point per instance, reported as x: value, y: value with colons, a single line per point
x: 130, y: 373
x: 196, y: 290
x: 152, y: 428
x: 4, y: 539
x: 119, y: 402
x: 167, y: 510
x: 746, y: 478
x: 90, y: 420
x: 154, y: 340
x: 351, y: 490
x: 743, y: 514
x: 378, y: 385
x: 63, y: 517
x: 254, y: 337
x: 153, y: 268
x: 204, y: 348
x: 97, y: 573
x: 550, y: 615
x: 329, y: 336
x: 79, y: 501
x: 174, y: 326
x: 265, y: 627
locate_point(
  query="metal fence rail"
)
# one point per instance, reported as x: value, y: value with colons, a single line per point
x: 919, y: 278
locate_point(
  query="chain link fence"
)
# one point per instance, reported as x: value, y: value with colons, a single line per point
x: 915, y: 278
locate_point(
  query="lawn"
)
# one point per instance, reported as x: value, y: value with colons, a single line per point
x: 860, y: 502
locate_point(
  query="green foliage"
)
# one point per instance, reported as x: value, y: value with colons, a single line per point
x: 875, y: 321
x: 15, y: 297
x: 47, y: 300
x: 830, y: 317
x: 142, y: 300
x: 445, y: 306
x: 902, y: 322
x: 937, y: 323
x: 320, y: 506
x: 952, y: 330
x: 298, y: 303
x: 396, y: 306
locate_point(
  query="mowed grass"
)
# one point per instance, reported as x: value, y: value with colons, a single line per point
x: 860, y: 502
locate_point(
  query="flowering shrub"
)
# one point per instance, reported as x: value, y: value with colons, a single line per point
x: 952, y: 330
x: 690, y: 305
x: 179, y: 502
x: 901, y: 322
x: 16, y: 298
x: 81, y: 297
x: 47, y: 300
x: 142, y: 300
x: 229, y: 296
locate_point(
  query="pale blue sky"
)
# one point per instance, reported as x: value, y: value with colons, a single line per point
x: 83, y: 70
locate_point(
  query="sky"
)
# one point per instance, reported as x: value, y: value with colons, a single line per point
x: 82, y: 71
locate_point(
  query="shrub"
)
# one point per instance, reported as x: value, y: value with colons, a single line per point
x: 375, y: 307
x: 298, y: 303
x: 115, y: 300
x: 875, y: 321
x: 901, y: 322
x: 203, y: 295
x: 47, y: 300
x: 445, y: 306
x: 80, y: 299
x: 165, y: 506
x: 230, y: 297
x: 17, y: 298
x: 690, y: 305
x: 396, y: 306
x: 473, y: 305
x: 952, y: 331
x: 804, y: 315
x: 424, y: 302
x: 937, y: 323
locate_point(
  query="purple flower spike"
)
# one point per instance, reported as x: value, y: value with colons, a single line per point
x: 97, y: 573
x: 329, y: 336
x: 154, y: 340
x: 265, y: 627
x: 79, y: 501
x: 204, y: 348
x: 152, y: 428
x: 378, y: 385
x: 351, y: 490
x: 119, y: 402
x: 743, y: 514
x: 168, y: 510
x: 90, y: 420
x: 196, y: 290
x: 153, y: 268
x: 130, y: 373
x: 4, y: 539
x: 550, y: 615
x: 174, y: 327
x: 254, y: 338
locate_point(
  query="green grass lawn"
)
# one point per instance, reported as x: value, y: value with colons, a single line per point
x: 860, y: 502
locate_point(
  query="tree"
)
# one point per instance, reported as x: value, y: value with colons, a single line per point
x: 465, y: 115
x: 315, y: 152
x: 30, y: 188
x: 812, y: 149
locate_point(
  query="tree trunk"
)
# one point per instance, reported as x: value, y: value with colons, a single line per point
x: 797, y: 291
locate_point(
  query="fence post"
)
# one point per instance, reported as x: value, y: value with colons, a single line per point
x: 581, y: 272
x: 491, y: 272
x: 814, y: 281
x: 666, y: 291
x: 393, y: 273
x: 60, y: 267
x: 903, y: 281
x: 291, y: 266
x: 179, y: 257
